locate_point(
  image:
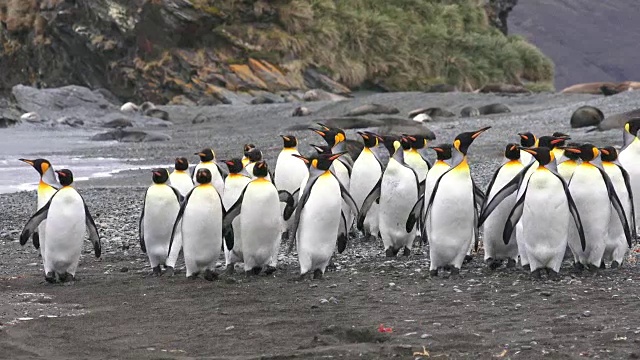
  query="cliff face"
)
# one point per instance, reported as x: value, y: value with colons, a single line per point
x: 208, y: 51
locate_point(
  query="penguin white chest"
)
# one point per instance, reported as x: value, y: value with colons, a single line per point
x: 202, y: 229
x: 364, y: 176
x: 181, y: 181
x: 289, y: 171
x: 415, y: 161
x: 398, y: 194
x: 65, y: 230
x: 160, y: 212
x: 630, y: 160
x: 260, y: 223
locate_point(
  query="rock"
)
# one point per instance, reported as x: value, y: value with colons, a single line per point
x: 130, y: 136
x: 314, y: 79
x: 262, y: 100
x: 432, y: 112
x: 440, y: 88
x: 422, y: 118
x: 617, y: 121
x: 301, y: 111
x: 498, y: 11
x: 586, y: 313
x: 124, y: 269
x: 586, y: 116
x: 504, y: 88
x: 469, y: 111
x: 324, y: 301
x: 320, y: 95
x: 496, y: 108
x: 118, y: 123
x: 375, y: 109
x: 545, y: 293
x: 31, y: 99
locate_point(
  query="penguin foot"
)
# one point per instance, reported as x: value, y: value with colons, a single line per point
x: 230, y: 269
x: 602, y: 265
x: 467, y: 259
x: 50, y: 277
x: 406, y: 251
x: 578, y: 267
x: 526, y: 267
x: 433, y: 273
x: 536, y: 274
x: 157, y: 271
x: 285, y: 236
x: 268, y: 270
x: 614, y: 264
x: 455, y: 271
x: 317, y: 274
x: 494, y: 263
x: 511, y: 263
x: 193, y: 276
x: 256, y: 270
x: 66, y: 277
x: 553, y: 275
x: 170, y: 271
x: 389, y: 252
x: 593, y: 269
x: 210, y: 275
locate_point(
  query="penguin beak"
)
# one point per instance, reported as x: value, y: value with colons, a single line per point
x: 179, y: 160
x: 523, y: 136
x: 337, y: 155
x: 557, y: 141
x: 324, y: 127
x: 286, y: 138
x: 605, y: 151
x: 319, y: 132
x: 30, y: 162
x: 363, y: 134
x: 229, y: 162
x: 438, y: 149
x: 513, y: 148
x: 60, y: 173
x: 156, y: 173
x: 477, y: 133
x: 573, y: 150
x: 306, y: 161
x: 530, y: 151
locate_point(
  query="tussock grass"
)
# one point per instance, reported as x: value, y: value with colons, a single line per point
x: 403, y: 44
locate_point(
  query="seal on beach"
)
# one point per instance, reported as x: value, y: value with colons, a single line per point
x: 431, y: 112
x: 469, y: 111
x: 586, y: 116
x: 375, y: 109
x: 496, y: 108
x: 616, y: 121
x: 301, y: 111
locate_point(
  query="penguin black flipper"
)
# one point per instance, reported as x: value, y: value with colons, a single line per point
x: 414, y: 215
x: 424, y: 157
x: 286, y: 198
x: 175, y: 191
x: 35, y: 238
x: 346, y: 196
x: 179, y: 217
x: 627, y: 184
x: 478, y: 195
x: 346, y: 164
x: 32, y: 224
x: 343, y: 234
x: 617, y: 205
x: 143, y: 247
x: 93, y: 230
x: 422, y: 186
x: 298, y: 210
x: 514, y: 216
x: 504, y: 193
x: 433, y: 195
x: 490, y: 186
x: 223, y: 173
x: 229, y: 216
x: 366, y: 204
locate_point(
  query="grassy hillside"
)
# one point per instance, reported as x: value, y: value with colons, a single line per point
x: 401, y: 44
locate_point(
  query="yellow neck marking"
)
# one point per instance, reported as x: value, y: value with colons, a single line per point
x: 261, y: 180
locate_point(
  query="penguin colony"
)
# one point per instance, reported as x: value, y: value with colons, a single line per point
x: 549, y: 199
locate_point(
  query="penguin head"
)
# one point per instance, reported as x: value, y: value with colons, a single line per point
x: 246, y: 148
x: 290, y: 141
x: 527, y: 139
x: 160, y: 176
x: 65, y: 177
x: 561, y: 135
x: 41, y: 165
x: 370, y: 139
x: 332, y: 136
x: 417, y: 141
x: 405, y: 143
x: 206, y: 155
x: 586, y: 152
x: 464, y: 140
x: 203, y: 176
x: 387, y: 141
x: 234, y: 165
x: 321, y: 149
x: 321, y: 161
x: 512, y: 151
x: 260, y: 169
x: 551, y: 142
x: 181, y: 164
x: 570, y: 154
x: 608, y: 153
x: 543, y: 155
x: 254, y: 155
x: 443, y: 151
x: 632, y: 126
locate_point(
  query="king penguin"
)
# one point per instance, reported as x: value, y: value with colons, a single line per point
x: 615, y: 244
x: 451, y: 217
x: 199, y: 222
x: 234, y: 184
x: 208, y: 161
x: 180, y: 178
x: 68, y: 219
x: 47, y: 186
x: 567, y: 162
x: 442, y: 164
x: 595, y: 199
x: 289, y: 173
x: 366, y: 172
x: 255, y: 155
x: 416, y: 156
x: 544, y: 206
x: 630, y: 160
x: 259, y: 209
x: 397, y: 192
x: 159, y: 211
x: 527, y: 140
x: 557, y: 147
x: 318, y: 218
x: 245, y: 153
x: 495, y: 250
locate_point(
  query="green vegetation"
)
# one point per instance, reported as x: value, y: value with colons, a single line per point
x: 403, y: 44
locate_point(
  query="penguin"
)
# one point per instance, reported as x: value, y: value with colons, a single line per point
x: 595, y: 199
x: 208, y: 161
x: 47, y: 186
x: 259, y: 209
x: 544, y: 206
x: 366, y: 172
x: 180, y: 178
x: 615, y: 245
x: 397, y: 192
x: 159, y: 211
x: 527, y: 140
x: 495, y: 250
x: 442, y: 164
x: 289, y: 172
x: 557, y: 147
x: 234, y: 184
x: 416, y: 156
x: 254, y: 155
x: 450, y: 215
x: 318, y: 218
x: 68, y: 219
x: 245, y: 153
x: 199, y: 223
x: 568, y: 162
x: 630, y: 160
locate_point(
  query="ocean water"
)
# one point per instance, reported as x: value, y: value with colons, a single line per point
x: 16, y: 175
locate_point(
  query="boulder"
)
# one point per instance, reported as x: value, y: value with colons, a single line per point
x: 314, y: 79
x: 30, y: 99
